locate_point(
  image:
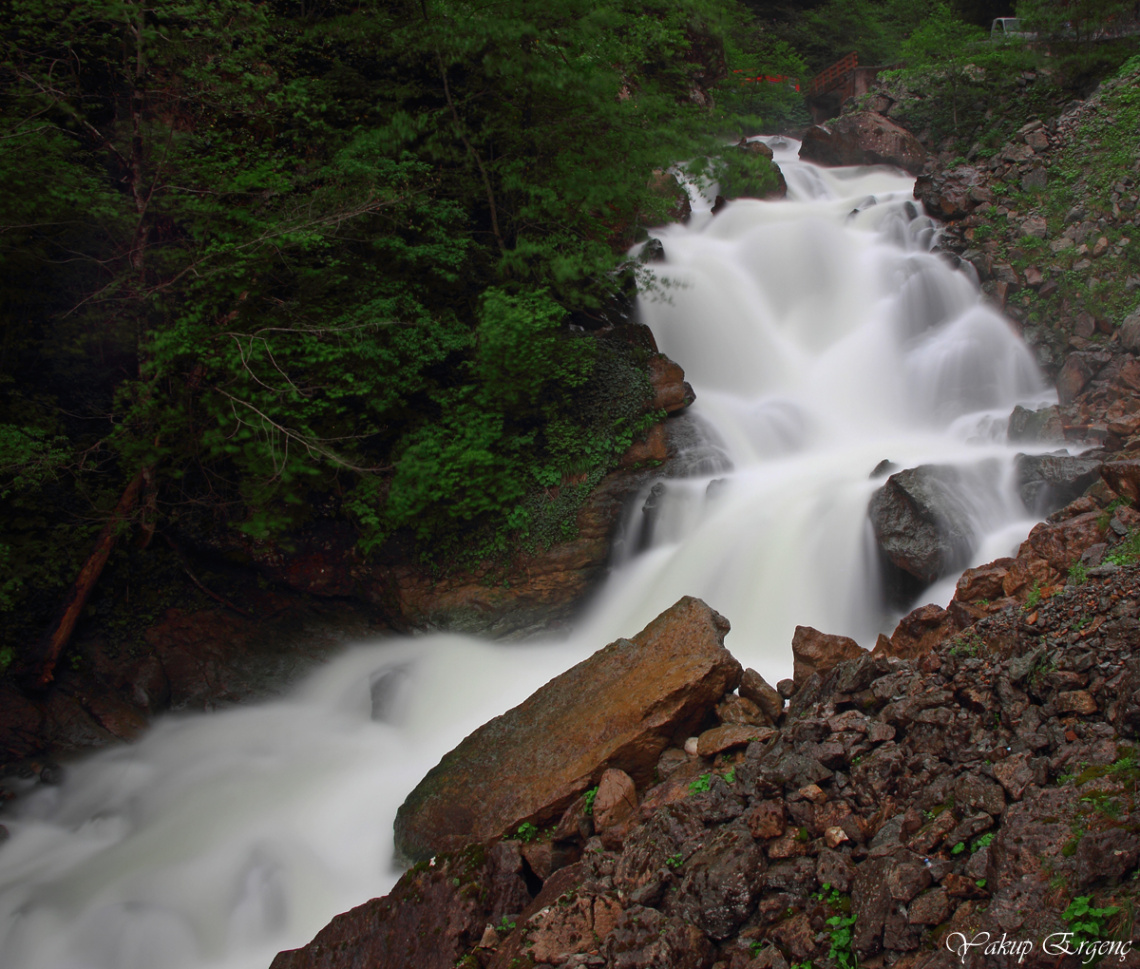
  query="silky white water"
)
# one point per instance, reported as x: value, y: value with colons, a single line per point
x: 821, y: 337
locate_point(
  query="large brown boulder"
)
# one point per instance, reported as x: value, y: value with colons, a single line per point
x: 863, y: 138
x: 620, y: 708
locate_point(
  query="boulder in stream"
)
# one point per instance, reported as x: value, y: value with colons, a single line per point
x: 620, y: 708
x: 920, y: 521
x: 863, y: 138
x: 1047, y: 482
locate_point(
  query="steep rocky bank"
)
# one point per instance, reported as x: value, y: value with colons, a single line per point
x: 896, y: 807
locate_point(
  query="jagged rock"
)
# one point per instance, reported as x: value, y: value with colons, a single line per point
x: 921, y: 523
x: 1130, y: 331
x: 863, y: 138
x: 816, y: 652
x: 721, y: 881
x: 1079, y: 368
x: 620, y: 708
x: 433, y: 915
x: 1048, y: 482
x: 917, y: 633
x: 755, y: 688
x: 643, y: 938
x: 616, y: 799
x: 1032, y: 426
x: 1123, y: 477
x: 671, y: 391
x: 954, y: 194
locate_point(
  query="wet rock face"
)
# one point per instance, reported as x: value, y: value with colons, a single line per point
x: 816, y: 652
x: 863, y: 138
x: 1048, y: 482
x: 618, y: 709
x: 953, y: 194
x: 920, y: 524
x: 435, y: 914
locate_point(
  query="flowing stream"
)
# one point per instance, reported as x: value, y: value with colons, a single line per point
x: 821, y: 335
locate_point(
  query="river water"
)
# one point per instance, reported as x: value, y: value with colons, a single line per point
x: 821, y: 335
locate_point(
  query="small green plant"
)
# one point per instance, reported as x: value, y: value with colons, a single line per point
x: 505, y: 925
x: 1127, y: 551
x: 981, y: 883
x: 984, y: 841
x: 842, y: 934
x: 958, y: 848
x: 590, y: 795
x: 1087, y: 922
x: 1033, y: 597
x: 527, y: 832
x: 674, y: 861
x: 730, y: 775
x: 830, y: 895
x: 701, y: 784
x: 1079, y: 573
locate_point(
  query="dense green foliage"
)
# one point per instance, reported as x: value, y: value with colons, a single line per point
x: 341, y: 259
x: 324, y: 259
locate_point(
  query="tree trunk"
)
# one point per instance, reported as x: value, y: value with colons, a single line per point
x: 60, y: 632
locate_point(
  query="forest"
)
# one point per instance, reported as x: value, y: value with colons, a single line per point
x: 266, y: 262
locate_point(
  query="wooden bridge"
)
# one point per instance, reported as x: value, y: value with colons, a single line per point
x: 833, y: 76
x: 842, y: 80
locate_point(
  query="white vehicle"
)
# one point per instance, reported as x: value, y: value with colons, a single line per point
x: 1009, y: 28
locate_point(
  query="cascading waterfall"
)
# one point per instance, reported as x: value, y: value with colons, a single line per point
x: 822, y: 337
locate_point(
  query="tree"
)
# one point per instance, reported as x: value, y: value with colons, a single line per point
x: 263, y: 252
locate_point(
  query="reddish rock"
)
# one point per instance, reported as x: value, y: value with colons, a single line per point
x: 619, y: 708
x: 616, y: 799
x: 863, y: 138
x: 983, y: 582
x: 730, y: 735
x: 433, y: 915
x: 952, y: 195
x: 652, y: 448
x: 755, y: 688
x: 816, y: 652
x: 671, y: 391
x: 1058, y: 545
x: 1123, y: 477
x: 917, y: 633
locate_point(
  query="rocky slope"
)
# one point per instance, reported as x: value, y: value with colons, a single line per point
x: 896, y: 808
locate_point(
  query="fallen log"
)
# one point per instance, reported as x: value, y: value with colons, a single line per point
x: 61, y: 629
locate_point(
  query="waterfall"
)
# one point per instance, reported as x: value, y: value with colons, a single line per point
x: 822, y: 337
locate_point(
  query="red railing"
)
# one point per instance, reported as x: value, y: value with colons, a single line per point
x: 827, y: 79
x: 768, y: 79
